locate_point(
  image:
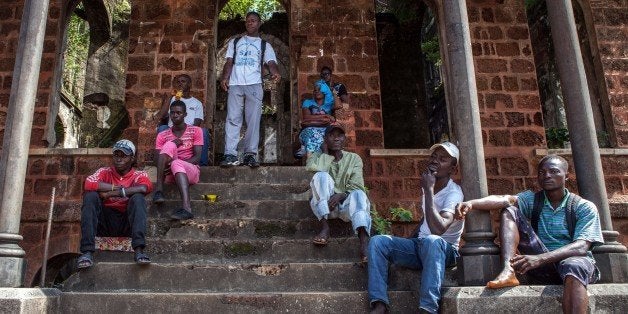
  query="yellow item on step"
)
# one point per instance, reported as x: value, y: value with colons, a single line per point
x: 177, y: 94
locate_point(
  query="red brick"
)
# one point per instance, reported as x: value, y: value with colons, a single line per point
x: 496, y: 83
x: 487, y: 15
x: 370, y: 138
x: 131, y: 80
x: 492, y: 168
x: 171, y: 64
x: 165, y: 46
x: 507, y: 49
x: 517, y: 32
x: 491, y: 65
x: 521, y: 66
x: 527, y: 138
x: 144, y: 63
x: 494, y: 119
x: 515, y: 119
x: 494, y: 101
x: 528, y: 102
x: 495, y: 33
x: 499, y: 137
x: 510, y: 84
x: 500, y: 186
x: 515, y: 166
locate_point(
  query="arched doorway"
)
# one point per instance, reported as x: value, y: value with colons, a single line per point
x: 275, y: 137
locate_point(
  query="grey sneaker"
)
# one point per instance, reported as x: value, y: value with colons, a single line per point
x: 229, y: 161
x: 249, y: 160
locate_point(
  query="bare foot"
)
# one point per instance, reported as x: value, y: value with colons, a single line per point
x: 507, y: 278
x: 323, y: 236
x: 379, y: 308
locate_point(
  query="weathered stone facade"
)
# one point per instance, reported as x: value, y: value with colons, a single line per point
x: 170, y: 37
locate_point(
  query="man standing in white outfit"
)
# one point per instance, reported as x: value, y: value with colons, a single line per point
x: 242, y: 79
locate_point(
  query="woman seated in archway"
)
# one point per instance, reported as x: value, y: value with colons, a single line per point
x: 317, y: 114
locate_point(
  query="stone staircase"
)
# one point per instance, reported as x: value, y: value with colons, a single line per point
x: 249, y: 252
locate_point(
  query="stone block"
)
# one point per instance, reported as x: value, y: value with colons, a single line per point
x: 477, y: 270
x: 517, y: 32
x: 613, y: 267
x: 12, y: 269
x: 514, y: 166
x: 29, y: 300
x: 515, y: 119
x: 528, y: 102
x: 150, y: 81
x: 498, y: 101
x: 527, y: 138
x: 521, y: 66
x: 499, y: 137
x: 140, y: 63
x: 496, y: 83
x: 491, y: 65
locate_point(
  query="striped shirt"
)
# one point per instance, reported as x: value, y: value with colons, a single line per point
x: 552, y: 227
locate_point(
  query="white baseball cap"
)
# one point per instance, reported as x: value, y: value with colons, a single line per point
x: 124, y: 146
x: 451, y: 149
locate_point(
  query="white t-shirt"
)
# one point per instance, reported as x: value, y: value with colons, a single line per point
x: 247, y: 67
x: 446, y: 200
x: 193, y: 107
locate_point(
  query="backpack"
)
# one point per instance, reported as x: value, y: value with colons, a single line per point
x: 570, y: 212
x: 235, y: 42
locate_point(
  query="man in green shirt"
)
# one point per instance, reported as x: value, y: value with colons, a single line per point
x: 338, y: 188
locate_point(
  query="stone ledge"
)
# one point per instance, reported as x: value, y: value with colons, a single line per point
x: 567, y: 151
x: 603, y: 298
x: 382, y: 152
x: 29, y: 300
x: 68, y: 151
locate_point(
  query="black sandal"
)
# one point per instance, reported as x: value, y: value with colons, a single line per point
x: 141, y: 258
x: 86, y: 260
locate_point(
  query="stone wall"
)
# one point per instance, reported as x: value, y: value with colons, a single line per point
x: 169, y: 37
x: 611, y: 29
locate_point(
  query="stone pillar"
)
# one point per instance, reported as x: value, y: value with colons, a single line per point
x: 611, y: 257
x: 480, y: 256
x: 17, y: 134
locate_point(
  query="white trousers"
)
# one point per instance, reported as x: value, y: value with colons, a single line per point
x: 355, y: 208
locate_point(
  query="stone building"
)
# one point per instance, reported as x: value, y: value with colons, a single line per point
x: 494, y: 102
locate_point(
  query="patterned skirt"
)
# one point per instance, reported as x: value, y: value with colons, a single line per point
x: 312, y: 138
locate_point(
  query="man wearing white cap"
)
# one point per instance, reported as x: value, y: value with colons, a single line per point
x: 434, y: 247
x: 114, y: 205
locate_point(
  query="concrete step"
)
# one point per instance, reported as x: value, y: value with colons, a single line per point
x: 271, y: 302
x: 242, y: 191
x: 230, y: 209
x: 264, y: 174
x: 289, y: 277
x: 205, y: 229
x: 282, y: 250
x: 603, y: 298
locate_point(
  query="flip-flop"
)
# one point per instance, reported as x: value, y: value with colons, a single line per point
x: 85, y: 261
x: 141, y: 258
x: 319, y: 241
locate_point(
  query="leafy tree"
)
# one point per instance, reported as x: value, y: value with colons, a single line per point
x: 265, y: 8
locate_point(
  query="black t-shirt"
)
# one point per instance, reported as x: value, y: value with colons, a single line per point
x: 340, y: 89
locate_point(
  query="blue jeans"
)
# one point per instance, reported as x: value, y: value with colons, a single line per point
x: 204, y: 151
x: 430, y: 254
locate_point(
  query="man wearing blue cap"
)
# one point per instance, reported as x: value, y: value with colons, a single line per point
x: 338, y: 188
x: 114, y: 205
x: 434, y: 245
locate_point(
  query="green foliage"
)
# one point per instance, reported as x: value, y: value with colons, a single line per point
x: 121, y: 11
x: 380, y: 224
x: 75, y: 57
x: 383, y: 225
x: 556, y: 137
x: 265, y: 8
x: 431, y: 49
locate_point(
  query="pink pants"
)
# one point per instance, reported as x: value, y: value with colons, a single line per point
x: 192, y: 171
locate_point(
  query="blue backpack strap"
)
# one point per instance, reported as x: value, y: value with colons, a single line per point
x: 570, y: 213
x: 235, y: 42
x: 536, y: 210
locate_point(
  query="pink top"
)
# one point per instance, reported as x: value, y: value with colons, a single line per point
x: 192, y: 136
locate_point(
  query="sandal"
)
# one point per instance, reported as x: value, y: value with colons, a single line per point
x: 86, y: 260
x: 319, y: 241
x: 141, y: 258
